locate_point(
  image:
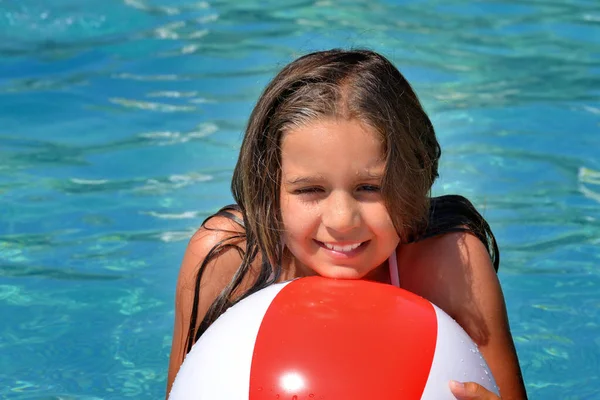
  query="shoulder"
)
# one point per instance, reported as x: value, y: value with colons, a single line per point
x: 221, y: 239
x: 455, y: 272
x: 453, y: 213
x: 218, y: 228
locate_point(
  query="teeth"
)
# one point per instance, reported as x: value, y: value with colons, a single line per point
x: 343, y: 249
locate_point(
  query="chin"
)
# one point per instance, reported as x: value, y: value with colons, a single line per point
x: 341, y: 273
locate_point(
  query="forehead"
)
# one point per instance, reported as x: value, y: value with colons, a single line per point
x: 332, y: 145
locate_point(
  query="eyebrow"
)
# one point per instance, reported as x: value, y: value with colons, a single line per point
x: 295, y: 180
x: 304, y: 179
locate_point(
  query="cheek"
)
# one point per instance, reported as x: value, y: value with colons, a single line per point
x: 287, y: 211
x: 381, y: 222
x: 298, y: 217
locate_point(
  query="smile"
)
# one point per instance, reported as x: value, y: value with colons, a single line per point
x: 342, y: 248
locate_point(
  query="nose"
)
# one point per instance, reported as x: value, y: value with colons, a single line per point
x: 341, y: 213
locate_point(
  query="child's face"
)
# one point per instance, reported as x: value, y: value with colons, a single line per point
x: 334, y: 218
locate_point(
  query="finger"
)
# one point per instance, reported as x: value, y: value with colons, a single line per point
x: 470, y: 391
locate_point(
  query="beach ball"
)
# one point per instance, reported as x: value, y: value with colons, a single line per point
x: 317, y: 338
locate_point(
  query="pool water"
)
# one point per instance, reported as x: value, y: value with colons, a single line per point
x: 120, y: 123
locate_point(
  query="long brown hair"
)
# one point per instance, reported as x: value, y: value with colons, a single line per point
x: 348, y: 84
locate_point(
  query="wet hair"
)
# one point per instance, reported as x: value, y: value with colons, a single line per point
x: 359, y: 85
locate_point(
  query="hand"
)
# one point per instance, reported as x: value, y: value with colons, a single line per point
x: 471, y: 391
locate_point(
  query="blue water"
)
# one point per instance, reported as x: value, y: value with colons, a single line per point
x: 120, y: 123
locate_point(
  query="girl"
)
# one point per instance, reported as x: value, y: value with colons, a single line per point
x: 334, y: 178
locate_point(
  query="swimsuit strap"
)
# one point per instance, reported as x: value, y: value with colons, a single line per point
x: 394, y: 275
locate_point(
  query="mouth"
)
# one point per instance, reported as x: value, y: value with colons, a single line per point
x: 343, y: 249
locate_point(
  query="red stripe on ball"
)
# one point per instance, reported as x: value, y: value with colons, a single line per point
x: 343, y: 340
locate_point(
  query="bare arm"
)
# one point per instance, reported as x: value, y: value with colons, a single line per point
x: 454, y: 272
x: 217, y: 275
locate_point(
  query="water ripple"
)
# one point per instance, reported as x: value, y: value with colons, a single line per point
x: 25, y: 271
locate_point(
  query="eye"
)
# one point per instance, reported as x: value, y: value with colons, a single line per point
x: 308, y: 190
x: 370, y: 188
